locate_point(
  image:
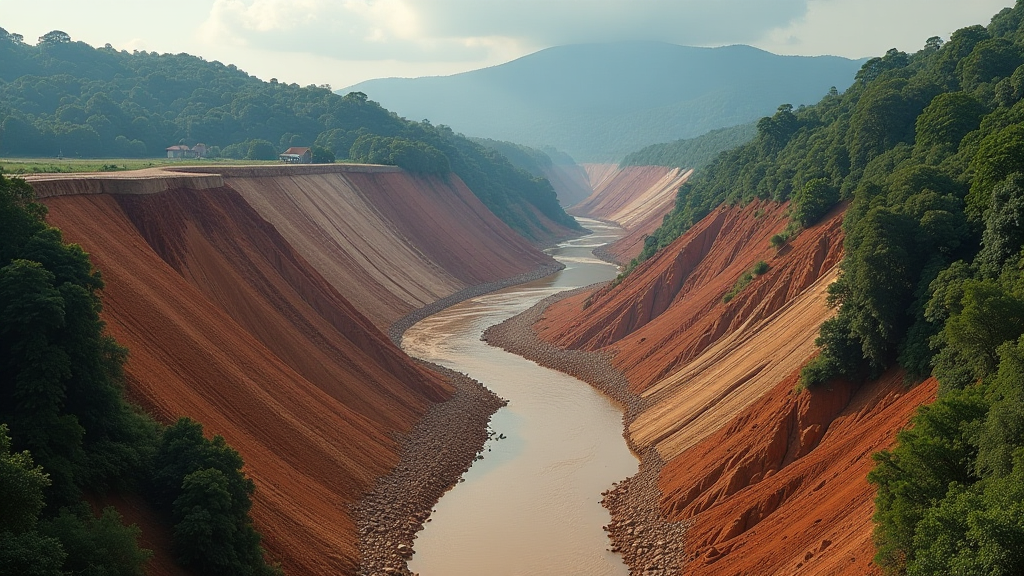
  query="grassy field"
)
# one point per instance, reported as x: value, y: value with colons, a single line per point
x: 52, y: 165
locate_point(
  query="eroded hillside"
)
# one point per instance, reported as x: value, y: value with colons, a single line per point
x: 634, y: 197
x: 235, y: 320
x: 770, y: 480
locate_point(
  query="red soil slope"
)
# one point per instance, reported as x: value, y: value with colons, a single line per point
x: 388, y: 241
x: 781, y: 488
x: 227, y: 324
x: 636, y: 198
x: 771, y: 481
x: 598, y: 173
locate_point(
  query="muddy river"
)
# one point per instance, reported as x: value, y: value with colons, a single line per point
x: 531, y: 505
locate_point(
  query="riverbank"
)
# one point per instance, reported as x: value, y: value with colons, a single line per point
x: 398, y: 328
x: 649, y: 545
x: 434, y: 455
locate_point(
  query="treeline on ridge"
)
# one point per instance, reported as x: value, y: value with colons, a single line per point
x: 692, y: 152
x: 63, y: 96
x: 67, y: 432
x: 928, y: 150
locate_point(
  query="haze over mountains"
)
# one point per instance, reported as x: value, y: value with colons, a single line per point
x: 599, y: 102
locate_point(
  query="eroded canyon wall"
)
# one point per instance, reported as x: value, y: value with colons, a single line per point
x: 238, y: 298
x: 634, y: 197
x: 769, y: 480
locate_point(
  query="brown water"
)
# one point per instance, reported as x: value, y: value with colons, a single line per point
x: 531, y: 506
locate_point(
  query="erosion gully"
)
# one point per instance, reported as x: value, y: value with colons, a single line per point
x: 531, y: 505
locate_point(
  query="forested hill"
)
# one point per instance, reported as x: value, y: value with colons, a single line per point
x: 63, y: 96
x: 692, y: 152
x: 599, y: 102
x: 929, y: 150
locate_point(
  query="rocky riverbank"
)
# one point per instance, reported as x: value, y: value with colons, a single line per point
x: 649, y: 545
x: 435, y: 454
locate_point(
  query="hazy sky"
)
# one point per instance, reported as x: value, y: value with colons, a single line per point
x: 341, y: 42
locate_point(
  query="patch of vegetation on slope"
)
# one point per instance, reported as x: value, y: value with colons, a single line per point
x: 929, y: 148
x: 532, y: 160
x: 692, y: 152
x: 67, y: 430
x: 62, y: 96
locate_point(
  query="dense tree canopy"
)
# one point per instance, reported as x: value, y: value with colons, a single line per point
x: 928, y: 149
x: 65, y: 97
x: 692, y: 152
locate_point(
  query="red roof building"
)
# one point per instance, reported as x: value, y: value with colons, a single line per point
x: 297, y: 155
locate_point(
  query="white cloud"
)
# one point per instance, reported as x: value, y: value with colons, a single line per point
x: 468, y: 30
x: 857, y: 28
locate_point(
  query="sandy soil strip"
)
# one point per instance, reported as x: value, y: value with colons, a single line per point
x: 648, y: 544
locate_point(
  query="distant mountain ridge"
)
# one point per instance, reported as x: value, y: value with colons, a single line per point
x: 599, y: 102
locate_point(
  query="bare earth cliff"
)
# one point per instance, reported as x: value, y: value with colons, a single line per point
x: 255, y: 301
x: 636, y: 198
x: 762, y: 479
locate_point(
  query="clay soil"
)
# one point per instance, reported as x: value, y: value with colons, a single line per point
x: 389, y: 242
x: 243, y: 324
x: 765, y: 480
x: 636, y: 198
x: 250, y: 341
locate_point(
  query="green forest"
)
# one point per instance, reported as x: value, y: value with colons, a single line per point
x: 692, y: 152
x: 65, y: 97
x: 67, y: 432
x: 926, y: 150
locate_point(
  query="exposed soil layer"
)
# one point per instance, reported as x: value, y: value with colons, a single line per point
x: 697, y: 359
x: 388, y: 241
x: 781, y: 488
x: 597, y: 174
x: 766, y: 480
x: 244, y: 325
x: 636, y: 198
x: 309, y: 452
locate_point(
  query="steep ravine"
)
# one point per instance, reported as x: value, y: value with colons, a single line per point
x: 244, y: 323
x: 636, y: 198
x: 741, y: 474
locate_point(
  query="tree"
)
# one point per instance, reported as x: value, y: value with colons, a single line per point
x: 97, y: 545
x: 55, y: 37
x: 935, y: 453
x: 21, y: 487
x: 1004, y: 225
x: 946, y: 120
x: 990, y: 59
x: 322, y: 155
x: 813, y: 201
x: 1000, y: 154
x: 22, y: 550
x: 989, y: 317
x: 200, y: 482
x: 260, y: 150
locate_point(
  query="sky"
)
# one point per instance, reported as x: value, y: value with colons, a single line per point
x: 342, y: 42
